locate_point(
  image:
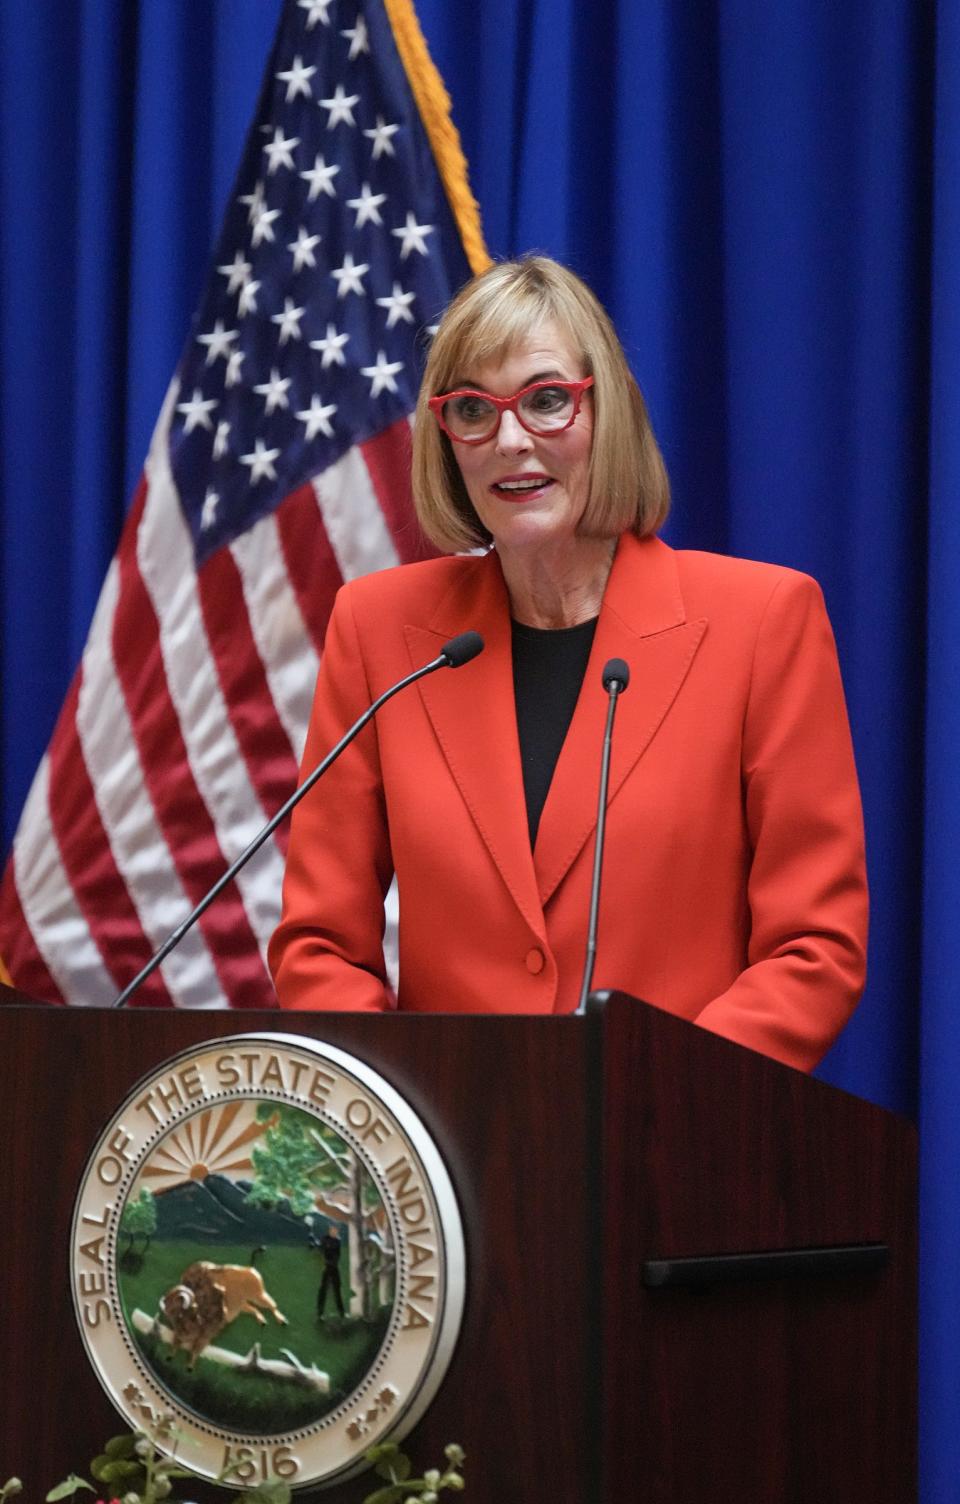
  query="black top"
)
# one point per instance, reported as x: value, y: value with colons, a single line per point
x: 548, y: 669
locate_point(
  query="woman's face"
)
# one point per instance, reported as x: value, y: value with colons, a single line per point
x: 529, y: 490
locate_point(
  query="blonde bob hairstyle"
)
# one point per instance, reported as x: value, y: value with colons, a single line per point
x: 628, y: 486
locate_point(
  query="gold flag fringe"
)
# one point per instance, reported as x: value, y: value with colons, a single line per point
x: 5, y: 976
x: 433, y: 103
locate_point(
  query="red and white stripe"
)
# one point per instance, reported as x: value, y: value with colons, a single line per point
x: 181, y: 734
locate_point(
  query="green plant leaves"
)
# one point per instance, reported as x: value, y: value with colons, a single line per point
x: 131, y: 1464
x: 392, y: 1494
x: 112, y: 1470
x: 389, y: 1462
x: 274, y: 1491
x: 120, y: 1448
x: 68, y: 1488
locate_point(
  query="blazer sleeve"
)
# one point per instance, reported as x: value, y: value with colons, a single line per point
x: 807, y: 889
x: 327, y: 952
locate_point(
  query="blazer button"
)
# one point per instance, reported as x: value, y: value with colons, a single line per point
x: 535, y: 960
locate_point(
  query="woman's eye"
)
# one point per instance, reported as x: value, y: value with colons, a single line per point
x: 471, y: 409
x: 549, y: 399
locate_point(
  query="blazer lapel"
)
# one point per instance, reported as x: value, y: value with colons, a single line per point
x: 643, y: 621
x: 473, y: 715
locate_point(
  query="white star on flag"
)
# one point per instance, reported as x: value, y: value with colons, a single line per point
x: 289, y: 321
x: 331, y: 348
x: 358, y: 39
x: 197, y: 411
x: 302, y: 249
x: 413, y: 236
x: 340, y: 107
x: 220, y: 439
x: 348, y: 277
x: 208, y: 514
x: 247, y: 301
x: 280, y: 150
x: 397, y: 305
x: 316, y: 11
x: 254, y: 202
x: 234, y: 362
x: 380, y: 136
x: 218, y: 341
x: 260, y: 462
x: 263, y: 225
x: 275, y: 391
x: 237, y: 271
x: 381, y: 375
x: 320, y: 177
x: 367, y: 206
x: 317, y: 418
x: 297, y: 79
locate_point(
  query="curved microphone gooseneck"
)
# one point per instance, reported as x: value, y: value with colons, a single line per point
x: 616, y: 677
x: 458, y: 651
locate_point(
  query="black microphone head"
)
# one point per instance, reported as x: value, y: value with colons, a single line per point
x: 459, y: 650
x: 615, y: 671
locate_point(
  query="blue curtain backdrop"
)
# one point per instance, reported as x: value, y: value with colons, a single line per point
x: 767, y: 198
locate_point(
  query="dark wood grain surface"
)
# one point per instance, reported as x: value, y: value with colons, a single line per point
x: 799, y: 1391
x: 505, y: 1106
x: 679, y: 1144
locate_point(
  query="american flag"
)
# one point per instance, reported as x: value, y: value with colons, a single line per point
x: 279, y: 467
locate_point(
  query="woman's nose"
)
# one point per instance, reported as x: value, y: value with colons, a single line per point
x: 512, y: 437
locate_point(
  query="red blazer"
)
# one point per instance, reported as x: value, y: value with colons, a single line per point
x: 734, y: 889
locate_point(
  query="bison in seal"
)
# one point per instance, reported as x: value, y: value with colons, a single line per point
x: 210, y: 1296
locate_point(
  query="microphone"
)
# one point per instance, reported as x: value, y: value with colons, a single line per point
x: 454, y: 654
x: 616, y: 677
x: 615, y: 671
x: 460, y: 650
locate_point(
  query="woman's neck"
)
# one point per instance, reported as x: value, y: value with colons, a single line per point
x: 558, y: 589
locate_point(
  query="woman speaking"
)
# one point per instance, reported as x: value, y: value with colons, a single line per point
x: 734, y: 883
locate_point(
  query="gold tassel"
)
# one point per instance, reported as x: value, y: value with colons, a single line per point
x: 433, y: 103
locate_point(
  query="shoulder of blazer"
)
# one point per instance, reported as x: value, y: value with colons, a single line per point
x: 711, y: 575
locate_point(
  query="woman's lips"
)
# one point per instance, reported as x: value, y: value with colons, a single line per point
x: 521, y: 487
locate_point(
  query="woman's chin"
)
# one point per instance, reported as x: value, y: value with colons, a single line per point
x: 529, y: 525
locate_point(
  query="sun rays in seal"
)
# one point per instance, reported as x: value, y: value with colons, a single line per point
x: 217, y: 1141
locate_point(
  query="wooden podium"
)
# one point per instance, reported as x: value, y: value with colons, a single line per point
x: 691, y: 1271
